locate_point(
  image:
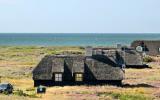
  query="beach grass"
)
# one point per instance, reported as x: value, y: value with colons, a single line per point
x: 17, y: 63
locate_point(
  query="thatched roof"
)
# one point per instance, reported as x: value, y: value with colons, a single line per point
x: 104, y: 65
x: 58, y: 64
x: 43, y: 69
x: 151, y: 47
x: 78, y: 64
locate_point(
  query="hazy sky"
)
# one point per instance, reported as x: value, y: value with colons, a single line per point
x: 80, y: 16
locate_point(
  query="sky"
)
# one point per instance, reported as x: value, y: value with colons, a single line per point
x: 79, y: 16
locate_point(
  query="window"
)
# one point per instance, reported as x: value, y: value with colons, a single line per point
x: 139, y: 49
x: 58, y: 77
x: 158, y: 49
x: 78, y: 77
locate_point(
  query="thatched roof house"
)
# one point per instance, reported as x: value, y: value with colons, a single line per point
x: 96, y: 66
x: 150, y: 47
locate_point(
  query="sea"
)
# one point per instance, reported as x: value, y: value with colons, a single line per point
x: 73, y: 39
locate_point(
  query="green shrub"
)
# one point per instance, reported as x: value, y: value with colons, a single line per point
x: 133, y: 97
x: 6, y: 93
x: 148, y: 59
x: 124, y: 96
x: 30, y: 89
x: 82, y: 48
x: 33, y: 95
x: 1, y: 59
x: 20, y: 93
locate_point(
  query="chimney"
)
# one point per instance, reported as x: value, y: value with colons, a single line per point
x: 88, y: 50
x: 119, y: 46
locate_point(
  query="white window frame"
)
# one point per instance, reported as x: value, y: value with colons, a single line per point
x: 58, y: 77
x: 78, y: 77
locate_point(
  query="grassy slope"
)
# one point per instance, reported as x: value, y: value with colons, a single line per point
x: 16, y: 64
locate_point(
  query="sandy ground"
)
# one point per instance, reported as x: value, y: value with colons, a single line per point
x: 144, y: 82
x: 139, y: 84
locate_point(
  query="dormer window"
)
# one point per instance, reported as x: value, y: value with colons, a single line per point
x: 58, y: 77
x: 78, y: 77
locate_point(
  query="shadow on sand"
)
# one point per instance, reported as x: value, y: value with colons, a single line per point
x: 113, y: 83
x: 137, y: 86
x: 138, y: 66
x: 93, y: 83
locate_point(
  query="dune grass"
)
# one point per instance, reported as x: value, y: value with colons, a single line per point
x: 17, y: 63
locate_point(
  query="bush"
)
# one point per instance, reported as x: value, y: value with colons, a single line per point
x: 81, y: 47
x: 124, y: 96
x: 6, y: 93
x: 133, y: 97
x: 20, y: 93
x: 30, y: 89
x: 33, y: 95
x: 148, y: 59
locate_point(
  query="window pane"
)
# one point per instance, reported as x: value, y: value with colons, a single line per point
x: 60, y: 79
x: 78, y: 77
x: 56, y: 79
x: 60, y: 75
x: 56, y: 75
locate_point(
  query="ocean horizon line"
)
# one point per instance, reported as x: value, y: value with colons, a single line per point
x: 67, y: 33
x: 71, y: 39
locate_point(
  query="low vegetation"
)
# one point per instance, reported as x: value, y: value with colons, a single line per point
x: 17, y: 63
x: 123, y: 96
x: 148, y: 59
x: 22, y: 93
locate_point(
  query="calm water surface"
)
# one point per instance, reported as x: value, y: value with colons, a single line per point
x: 76, y: 39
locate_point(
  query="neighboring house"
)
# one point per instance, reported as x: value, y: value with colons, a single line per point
x: 149, y: 47
x: 98, y: 65
x: 128, y: 56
